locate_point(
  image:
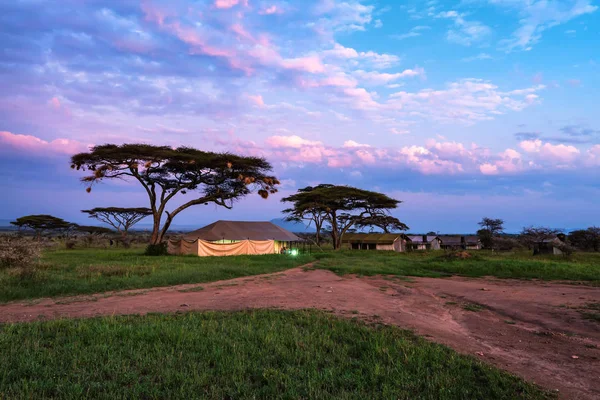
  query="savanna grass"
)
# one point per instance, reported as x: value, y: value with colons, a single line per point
x: 242, y: 355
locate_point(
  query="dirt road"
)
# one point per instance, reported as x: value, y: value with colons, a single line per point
x: 533, y: 329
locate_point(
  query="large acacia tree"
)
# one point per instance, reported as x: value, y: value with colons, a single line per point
x: 122, y: 219
x: 342, y: 207
x: 165, y: 172
x: 42, y: 223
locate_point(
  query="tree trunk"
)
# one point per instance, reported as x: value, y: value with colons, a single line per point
x: 156, y: 237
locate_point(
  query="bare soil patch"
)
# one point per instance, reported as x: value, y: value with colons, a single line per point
x: 536, y: 330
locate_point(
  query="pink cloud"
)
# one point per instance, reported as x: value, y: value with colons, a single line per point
x: 488, y: 169
x: 551, y: 152
x: 271, y: 10
x: 32, y: 144
x: 55, y: 102
x: 225, y: 4
x: 258, y: 100
x: 311, y: 64
x: 293, y: 141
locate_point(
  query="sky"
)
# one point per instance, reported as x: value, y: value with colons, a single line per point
x: 460, y: 109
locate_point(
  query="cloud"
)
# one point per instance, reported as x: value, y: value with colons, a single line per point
x: 413, y: 32
x: 32, y: 145
x: 537, y: 16
x: 464, y: 32
x: 224, y: 4
x: 270, y: 10
x: 527, y: 136
x: 375, y: 60
x: 344, y: 16
x: 293, y: 141
x: 579, y: 130
x: 466, y: 101
x: 548, y: 152
x: 352, y: 144
x: 574, y: 82
x: 478, y: 57
x: 378, y: 78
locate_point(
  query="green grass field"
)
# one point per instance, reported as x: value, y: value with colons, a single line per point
x: 69, y: 272
x: 86, y: 271
x: 242, y: 355
x: 523, y: 265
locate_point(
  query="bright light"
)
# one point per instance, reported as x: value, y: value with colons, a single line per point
x: 294, y: 252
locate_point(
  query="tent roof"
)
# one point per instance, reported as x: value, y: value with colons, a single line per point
x: 242, y: 230
x: 377, y: 238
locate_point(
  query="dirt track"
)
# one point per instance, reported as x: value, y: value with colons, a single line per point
x: 548, y: 329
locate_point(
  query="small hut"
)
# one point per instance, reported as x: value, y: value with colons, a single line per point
x: 548, y: 246
x: 376, y: 241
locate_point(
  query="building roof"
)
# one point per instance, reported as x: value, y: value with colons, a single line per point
x: 242, y: 230
x: 376, y: 238
x: 419, y: 238
x: 472, y: 240
x: 451, y: 240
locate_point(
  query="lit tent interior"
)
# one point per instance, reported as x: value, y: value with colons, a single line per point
x: 232, y: 238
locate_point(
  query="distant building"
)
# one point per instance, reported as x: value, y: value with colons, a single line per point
x: 424, y: 242
x: 548, y: 246
x: 460, y: 242
x: 397, y: 242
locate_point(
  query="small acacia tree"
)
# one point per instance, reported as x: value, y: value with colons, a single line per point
x: 43, y: 223
x: 164, y: 173
x: 342, y: 207
x: 490, y: 228
x: 122, y: 219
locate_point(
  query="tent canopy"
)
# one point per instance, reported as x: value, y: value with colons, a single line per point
x: 242, y: 230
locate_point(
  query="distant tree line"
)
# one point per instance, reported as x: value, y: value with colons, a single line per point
x: 492, y: 237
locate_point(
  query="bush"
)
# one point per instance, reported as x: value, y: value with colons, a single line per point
x: 18, y: 252
x: 70, y: 244
x: 157, y: 249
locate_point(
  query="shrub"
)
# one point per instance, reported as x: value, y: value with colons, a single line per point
x: 157, y: 249
x: 70, y: 244
x: 18, y: 252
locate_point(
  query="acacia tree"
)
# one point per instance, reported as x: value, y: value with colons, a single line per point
x: 164, y: 173
x: 342, y: 207
x: 307, y: 208
x: 532, y: 235
x: 490, y: 228
x: 42, y: 223
x: 122, y: 219
x: 586, y: 239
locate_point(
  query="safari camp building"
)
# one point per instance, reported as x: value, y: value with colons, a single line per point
x: 424, y: 242
x: 397, y: 242
x: 232, y: 238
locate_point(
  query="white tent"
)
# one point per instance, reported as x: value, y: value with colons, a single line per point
x: 232, y: 238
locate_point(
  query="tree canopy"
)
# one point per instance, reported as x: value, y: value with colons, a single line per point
x: 165, y: 172
x: 122, y: 219
x: 490, y: 228
x: 536, y: 234
x: 586, y: 239
x: 342, y: 207
x: 42, y: 223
